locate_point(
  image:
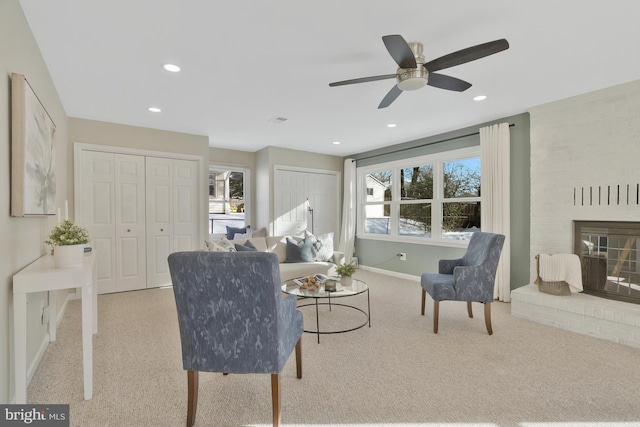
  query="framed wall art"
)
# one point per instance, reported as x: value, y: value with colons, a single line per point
x: 33, y: 178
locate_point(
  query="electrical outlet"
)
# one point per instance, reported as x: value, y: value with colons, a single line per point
x: 403, y: 256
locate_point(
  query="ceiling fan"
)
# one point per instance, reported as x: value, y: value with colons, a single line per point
x: 414, y: 72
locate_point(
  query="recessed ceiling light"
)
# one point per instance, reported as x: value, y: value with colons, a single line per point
x: 336, y: 142
x: 171, y: 67
x: 154, y: 109
x: 480, y: 98
x: 391, y: 125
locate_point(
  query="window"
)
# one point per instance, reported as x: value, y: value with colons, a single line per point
x: 430, y: 198
x: 227, y: 198
x: 461, y: 205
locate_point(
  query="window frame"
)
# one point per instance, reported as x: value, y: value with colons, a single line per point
x: 246, y: 188
x: 437, y: 161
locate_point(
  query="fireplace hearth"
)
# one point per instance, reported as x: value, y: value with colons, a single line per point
x: 609, y: 252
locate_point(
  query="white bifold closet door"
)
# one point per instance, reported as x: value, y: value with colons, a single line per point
x: 291, y: 191
x: 113, y: 209
x: 171, y: 214
x: 138, y: 209
x: 297, y: 191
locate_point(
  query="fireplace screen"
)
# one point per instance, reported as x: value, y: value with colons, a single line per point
x: 610, y: 255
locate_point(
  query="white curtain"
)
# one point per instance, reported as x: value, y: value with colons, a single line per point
x: 348, y: 232
x: 494, y: 145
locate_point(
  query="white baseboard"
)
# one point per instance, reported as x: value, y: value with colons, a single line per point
x: 36, y: 360
x: 33, y: 366
x: 392, y: 273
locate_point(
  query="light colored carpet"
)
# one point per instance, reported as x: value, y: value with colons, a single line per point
x: 395, y: 373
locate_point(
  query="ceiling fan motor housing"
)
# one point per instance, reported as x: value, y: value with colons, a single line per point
x: 414, y: 78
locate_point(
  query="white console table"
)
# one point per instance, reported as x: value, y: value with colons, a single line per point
x: 40, y: 276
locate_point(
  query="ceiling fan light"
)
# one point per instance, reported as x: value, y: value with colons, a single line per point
x: 412, y: 84
x: 412, y: 79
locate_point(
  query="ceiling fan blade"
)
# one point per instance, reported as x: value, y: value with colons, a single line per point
x: 467, y: 55
x: 363, y: 80
x: 390, y: 97
x: 400, y: 51
x: 447, y: 82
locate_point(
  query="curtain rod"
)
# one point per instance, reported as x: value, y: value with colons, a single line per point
x: 424, y: 145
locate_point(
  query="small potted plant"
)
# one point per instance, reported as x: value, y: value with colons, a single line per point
x: 345, y: 271
x: 69, y: 240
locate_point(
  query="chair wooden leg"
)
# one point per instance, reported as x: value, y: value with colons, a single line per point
x: 424, y: 295
x: 275, y: 398
x: 469, y: 309
x: 192, y: 400
x: 299, y: 358
x: 487, y: 317
x: 436, y: 312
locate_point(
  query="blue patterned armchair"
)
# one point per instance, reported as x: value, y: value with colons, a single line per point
x: 233, y: 318
x: 470, y: 278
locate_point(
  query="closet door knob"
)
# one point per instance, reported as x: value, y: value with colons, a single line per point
x: 128, y: 230
x: 162, y: 229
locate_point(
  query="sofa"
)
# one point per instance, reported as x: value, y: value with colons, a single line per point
x: 278, y: 245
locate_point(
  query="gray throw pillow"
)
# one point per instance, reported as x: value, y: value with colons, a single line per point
x: 299, y: 251
x: 247, y: 247
x: 231, y: 231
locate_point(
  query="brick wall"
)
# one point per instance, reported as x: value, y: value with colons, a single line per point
x: 590, y: 141
x: 585, y: 314
x: 583, y: 149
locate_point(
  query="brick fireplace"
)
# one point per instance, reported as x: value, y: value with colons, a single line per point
x: 584, y: 153
x: 610, y: 258
x: 585, y: 314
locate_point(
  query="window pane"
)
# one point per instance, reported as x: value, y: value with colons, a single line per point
x: 415, y: 220
x: 462, y: 178
x: 377, y: 219
x: 380, y: 183
x: 416, y: 183
x: 460, y: 220
x: 226, y: 200
x: 236, y: 192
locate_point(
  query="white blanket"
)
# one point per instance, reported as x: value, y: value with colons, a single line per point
x: 562, y: 267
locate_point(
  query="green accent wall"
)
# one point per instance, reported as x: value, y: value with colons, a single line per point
x: 423, y: 258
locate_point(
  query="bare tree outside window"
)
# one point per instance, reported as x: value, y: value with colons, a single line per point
x: 461, y: 179
x: 416, y: 184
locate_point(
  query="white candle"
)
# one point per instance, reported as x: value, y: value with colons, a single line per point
x: 66, y: 209
x: 58, y: 215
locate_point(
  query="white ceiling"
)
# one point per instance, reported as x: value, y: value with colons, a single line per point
x: 245, y: 62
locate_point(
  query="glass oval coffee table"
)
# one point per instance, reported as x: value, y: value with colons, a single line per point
x: 323, y: 297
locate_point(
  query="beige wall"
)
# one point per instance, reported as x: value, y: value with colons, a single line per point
x: 23, y: 237
x: 263, y: 175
